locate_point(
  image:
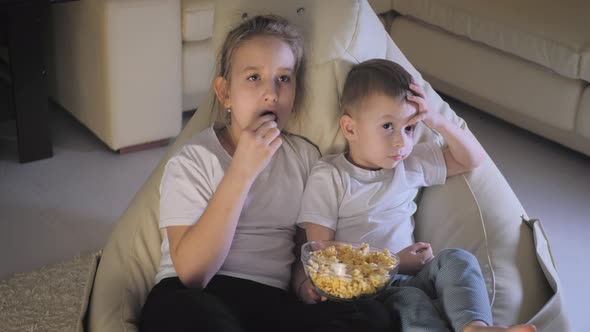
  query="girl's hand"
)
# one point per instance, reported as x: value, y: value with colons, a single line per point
x: 256, y: 146
x: 414, y: 257
x: 432, y: 119
x: 308, y: 294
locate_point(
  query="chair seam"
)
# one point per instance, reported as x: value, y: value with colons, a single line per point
x: 486, y: 244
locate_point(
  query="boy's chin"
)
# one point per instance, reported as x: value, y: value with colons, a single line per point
x: 391, y: 165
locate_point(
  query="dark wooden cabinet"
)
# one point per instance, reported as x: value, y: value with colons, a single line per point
x: 25, y: 22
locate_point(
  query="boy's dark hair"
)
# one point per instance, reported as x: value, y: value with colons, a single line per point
x: 375, y: 76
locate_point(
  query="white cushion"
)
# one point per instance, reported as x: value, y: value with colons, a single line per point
x: 197, y: 19
x: 551, y: 33
x: 333, y: 45
x: 198, y: 69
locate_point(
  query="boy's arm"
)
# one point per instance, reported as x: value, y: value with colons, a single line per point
x: 414, y: 257
x: 300, y: 284
x: 298, y: 274
x: 320, y: 198
x: 464, y: 153
x: 317, y: 232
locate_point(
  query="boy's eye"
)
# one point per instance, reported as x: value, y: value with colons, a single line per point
x: 254, y: 77
x: 284, y: 78
x: 410, y: 129
x: 388, y: 126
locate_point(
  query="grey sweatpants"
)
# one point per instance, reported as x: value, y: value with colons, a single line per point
x: 446, y: 294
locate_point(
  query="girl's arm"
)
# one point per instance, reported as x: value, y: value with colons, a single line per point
x: 464, y: 153
x: 198, y: 251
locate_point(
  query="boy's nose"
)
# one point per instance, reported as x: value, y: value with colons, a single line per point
x: 399, y: 141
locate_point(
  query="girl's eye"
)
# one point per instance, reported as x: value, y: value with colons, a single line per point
x: 254, y: 77
x: 388, y: 126
x: 284, y: 78
x: 410, y: 129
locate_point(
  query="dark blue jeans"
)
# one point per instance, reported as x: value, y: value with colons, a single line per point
x: 445, y: 295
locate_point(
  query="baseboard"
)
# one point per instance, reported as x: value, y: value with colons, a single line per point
x: 144, y: 146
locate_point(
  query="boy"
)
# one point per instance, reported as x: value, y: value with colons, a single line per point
x: 367, y: 195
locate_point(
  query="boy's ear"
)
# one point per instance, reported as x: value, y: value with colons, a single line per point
x: 347, y: 126
x: 221, y: 87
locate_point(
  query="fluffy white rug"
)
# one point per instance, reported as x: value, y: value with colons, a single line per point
x: 54, y: 298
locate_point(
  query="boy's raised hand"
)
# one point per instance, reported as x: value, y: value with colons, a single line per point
x: 256, y: 146
x: 431, y: 119
x: 414, y: 257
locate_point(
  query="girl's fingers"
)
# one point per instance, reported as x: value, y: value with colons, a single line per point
x: 275, y: 144
x: 267, y: 129
x: 269, y: 137
x: 258, y: 123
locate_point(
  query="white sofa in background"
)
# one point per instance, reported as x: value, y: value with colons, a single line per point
x: 198, y: 55
x: 526, y: 61
x: 126, y: 69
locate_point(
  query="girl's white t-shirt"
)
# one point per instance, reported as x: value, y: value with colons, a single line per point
x: 375, y: 207
x: 262, y: 248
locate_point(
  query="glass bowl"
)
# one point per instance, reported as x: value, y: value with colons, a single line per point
x: 346, y: 271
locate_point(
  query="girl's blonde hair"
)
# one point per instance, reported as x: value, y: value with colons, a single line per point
x: 263, y: 25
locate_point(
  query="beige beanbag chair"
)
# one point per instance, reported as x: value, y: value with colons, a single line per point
x: 478, y: 211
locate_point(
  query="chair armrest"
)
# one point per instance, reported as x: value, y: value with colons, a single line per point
x: 117, y: 67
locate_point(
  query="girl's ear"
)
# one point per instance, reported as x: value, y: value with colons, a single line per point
x: 347, y: 126
x: 221, y: 87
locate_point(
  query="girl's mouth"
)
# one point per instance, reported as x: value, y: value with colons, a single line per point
x: 267, y: 113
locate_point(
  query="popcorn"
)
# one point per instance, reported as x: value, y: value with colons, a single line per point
x: 346, y: 272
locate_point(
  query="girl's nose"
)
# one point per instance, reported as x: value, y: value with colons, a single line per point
x: 271, y: 92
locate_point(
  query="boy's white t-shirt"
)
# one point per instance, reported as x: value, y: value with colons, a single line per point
x: 262, y: 248
x: 375, y: 207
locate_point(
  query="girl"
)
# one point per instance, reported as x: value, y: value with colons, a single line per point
x: 227, y: 202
